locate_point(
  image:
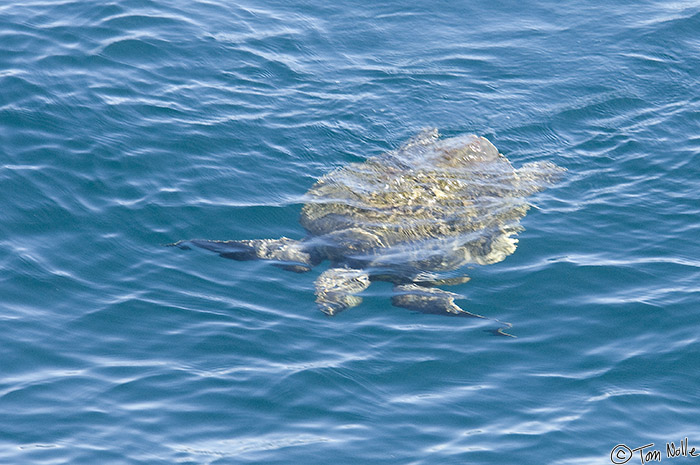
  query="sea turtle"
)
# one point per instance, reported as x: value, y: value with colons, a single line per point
x: 412, y: 216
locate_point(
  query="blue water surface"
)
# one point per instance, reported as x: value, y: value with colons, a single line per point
x: 128, y: 124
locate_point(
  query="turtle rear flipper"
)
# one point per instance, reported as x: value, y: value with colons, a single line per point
x: 336, y: 289
x: 435, y: 301
x: 291, y: 254
x: 428, y: 300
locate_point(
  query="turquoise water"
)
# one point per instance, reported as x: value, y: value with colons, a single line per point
x: 128, y: 124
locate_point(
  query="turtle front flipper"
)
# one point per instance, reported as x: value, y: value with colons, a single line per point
x: 336, y: 289
x: 433, y: 279
x: 436, y: 301
x: 291, y: 254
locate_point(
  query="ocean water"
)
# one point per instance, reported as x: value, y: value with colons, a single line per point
x: 129, y: 124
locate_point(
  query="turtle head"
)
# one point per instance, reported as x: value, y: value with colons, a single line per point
x: 465, y: 151
x: 536, y: 176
